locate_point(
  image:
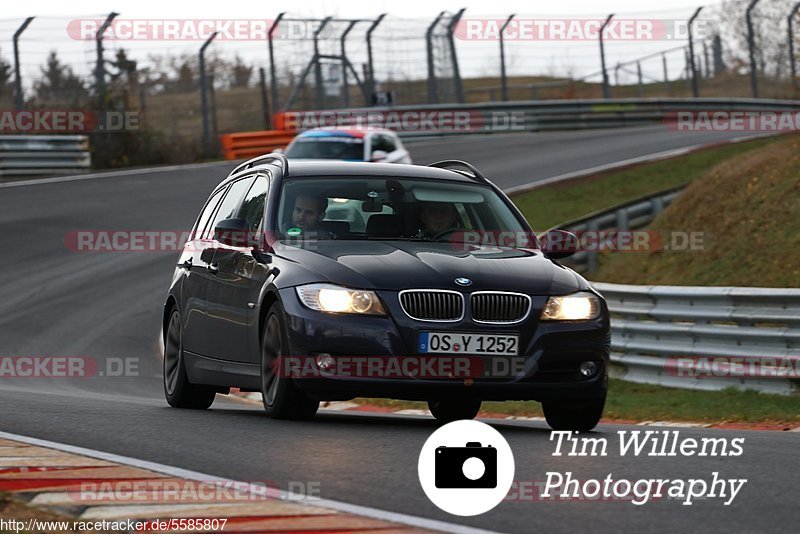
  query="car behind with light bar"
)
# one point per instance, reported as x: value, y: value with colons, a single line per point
x: 315, y: 281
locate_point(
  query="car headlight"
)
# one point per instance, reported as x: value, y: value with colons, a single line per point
x: 336, y: 299
x: 575, y: 307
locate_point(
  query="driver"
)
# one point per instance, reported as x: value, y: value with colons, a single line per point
x: 308, y: 213
x: 437, y: 217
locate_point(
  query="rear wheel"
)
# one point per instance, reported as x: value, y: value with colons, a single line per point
x: 448, y: 410
x: 180, y: 393
x: 281, y: 396
x: 581, y: 416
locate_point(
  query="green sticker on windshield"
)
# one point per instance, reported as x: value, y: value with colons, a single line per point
x: 294, y: 231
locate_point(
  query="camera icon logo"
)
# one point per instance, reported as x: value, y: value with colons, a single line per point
x: 466, y: 468
x: 472, y: 466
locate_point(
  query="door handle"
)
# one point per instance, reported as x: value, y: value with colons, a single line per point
x: 213, y: 268
x: 186, y: 264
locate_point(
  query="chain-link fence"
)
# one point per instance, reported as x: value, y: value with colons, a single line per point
x: 150, y: 69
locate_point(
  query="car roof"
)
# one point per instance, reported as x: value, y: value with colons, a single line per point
x: 322, y: 168
x: 355, y: 132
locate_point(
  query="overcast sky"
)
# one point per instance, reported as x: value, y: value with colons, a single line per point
x: 396, y: 56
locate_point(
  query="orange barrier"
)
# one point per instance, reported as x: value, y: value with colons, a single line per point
x: 246, y: 145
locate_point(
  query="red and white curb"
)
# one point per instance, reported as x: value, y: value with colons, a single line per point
x: 55, y: 476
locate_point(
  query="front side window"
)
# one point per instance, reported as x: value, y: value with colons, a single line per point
x: 229, y: 205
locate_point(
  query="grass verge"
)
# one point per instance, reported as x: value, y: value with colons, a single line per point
x: 559, y: 203
x: 642, y: 402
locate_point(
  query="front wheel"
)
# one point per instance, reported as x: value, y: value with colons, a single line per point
x: 449, y: 410
x: 581, y: 417
x: 181, y: 393
x: 281, y: 396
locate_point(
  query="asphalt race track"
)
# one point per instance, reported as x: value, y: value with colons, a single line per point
x: 107, y: 306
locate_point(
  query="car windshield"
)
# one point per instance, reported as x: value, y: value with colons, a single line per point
x: 333, y: 147
x: 363, y: 208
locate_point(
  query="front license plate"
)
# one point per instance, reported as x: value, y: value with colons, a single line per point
x: 458, y: 343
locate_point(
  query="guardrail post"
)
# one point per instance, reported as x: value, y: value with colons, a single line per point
x: 792, y: 63
x: 273, y: 82
x: 451, y: 29
x: 371, y: 67
x: 503, y: 79
x: 100, y: 69
x: 622, y: 220
x: 433, y: 97
x: 204, y: 97
x: 695, y: 90
x: 591, y: 255
x: 751, y: 45
x: 656, y: 205
x: 18, y: 97
x: 606, y: 88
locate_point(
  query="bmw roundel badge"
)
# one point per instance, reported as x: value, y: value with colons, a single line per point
x: 463, y: 281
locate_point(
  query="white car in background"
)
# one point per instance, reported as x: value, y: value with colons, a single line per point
x: 357, y: 144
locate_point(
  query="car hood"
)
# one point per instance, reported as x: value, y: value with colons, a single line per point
x: 396, y: 265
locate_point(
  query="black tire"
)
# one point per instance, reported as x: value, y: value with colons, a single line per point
x: 581, y: 417
x: 281, y: 396
x: 181, y: 393
x: 449, y: 410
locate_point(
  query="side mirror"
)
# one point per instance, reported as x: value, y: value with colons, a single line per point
x: 378, y: 155
x: 558, y: 244
x: 234, y: 232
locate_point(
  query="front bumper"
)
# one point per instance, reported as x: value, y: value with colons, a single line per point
x: 547, y: 368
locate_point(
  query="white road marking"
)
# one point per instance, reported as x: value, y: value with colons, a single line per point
x: 177, y: 472
x: 114, y: 174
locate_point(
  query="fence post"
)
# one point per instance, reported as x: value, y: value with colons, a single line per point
x: 793, y: 64
x: 433, y: 97
x: 18, y: 97
x: 451, y: 29
x: 371, y: 78
x: 342, y: 47
x: 666, y: 74
x: 273, y: 83
x: 318, y: 92
x: 695, y: 89
x: 503, y: 79
x: 606, y: 88
x: 751, y: 45
x: 639, y: 76
x: 262, y: 83
x: 100, y: 70
x: 204, y: 97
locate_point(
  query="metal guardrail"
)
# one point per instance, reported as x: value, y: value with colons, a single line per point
x: 539, y: 115
x: 628, y: 216
x: 41, y: 155
x: 654, y: 327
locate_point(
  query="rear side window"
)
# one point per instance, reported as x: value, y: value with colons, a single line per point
x: 206, y: 214
x: 229, y: 204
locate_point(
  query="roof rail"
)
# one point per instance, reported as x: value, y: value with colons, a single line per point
x: 449, y: 163
x: 266, y: 158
